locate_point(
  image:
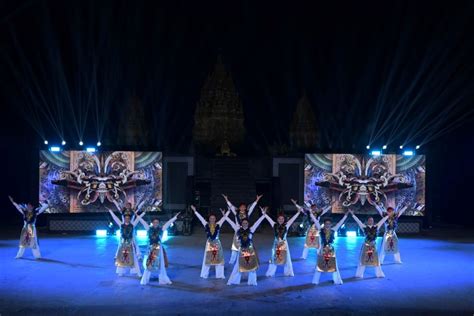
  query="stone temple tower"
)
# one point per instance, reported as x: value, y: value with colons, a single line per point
x: 304, y: 134
x: 219, y: 117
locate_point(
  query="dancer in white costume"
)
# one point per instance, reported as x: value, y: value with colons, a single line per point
x: 127, y: 209
x: 368, y: 253
x: 390, y: 238
x: 280, y: 251
x: 240, y: 213
x: 28, y: 236
x: 156, y: 259
x: 127, y: 255
x: 248, y: 258
x: 326, y: 254
x: 213, y: 253
x: 312, y: 234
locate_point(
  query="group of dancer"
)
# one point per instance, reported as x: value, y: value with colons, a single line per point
x: 319, y: 236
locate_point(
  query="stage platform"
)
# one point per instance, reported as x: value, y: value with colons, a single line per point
x: 77, y: 276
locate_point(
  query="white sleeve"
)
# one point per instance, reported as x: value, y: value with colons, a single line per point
x: 339, y: 224
x: 222, y: 220
x: 201, y: 219
x: 144, y: 223
x: 115, y: 218
x: 402, y: 211
x: 358, y: 221
x: 137, y: 219
x: 169, y: 222
x: 382, y: 221
x: 256, y: 224
x: 315, y: 220
x: 251, y: 208
x: 43, y: 208
x: 292, y: 220
x: 269, y: 219
x: 232, y: 207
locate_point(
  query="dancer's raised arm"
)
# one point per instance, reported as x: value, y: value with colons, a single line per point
x: 114, y: 217
x: 199, y: 216
x: 117, y: 205
x: 235, y: 225
x: 326, y: 209
x: 252, y: 206
x: 299, y: 207
x: 380, y: 209
x: 18, y: 207
x: 232, y: 207
x: 269, y: 219
x: 44, y: 207
x: 400, y: 212
x: 339, y: 224
x: 170, y: 221
x: 380, y: 223
x: 257, y: 223
x: 315, y: 220
x: 223, y: 218
x: 137, y: 218
x: 144, y: 223
x: 358, y: 221
x: 292, y: 220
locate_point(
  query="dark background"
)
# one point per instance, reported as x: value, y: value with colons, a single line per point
x: 363, y: 65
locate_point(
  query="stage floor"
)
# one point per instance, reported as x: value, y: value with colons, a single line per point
x: 77, y: 276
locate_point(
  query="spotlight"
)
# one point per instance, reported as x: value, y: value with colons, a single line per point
x: 351, y: 233
x: 384, y: 147
x: 118, y: 233
x: 368, y: 146
x: 81, y: 143
x: 417, y: 147
x: 101, y: 233
x: 408, y: 153
x: 90, y: 149
x: 401, y: 146
x: 45, y: 142
x: 376, y: 153
x: 99, y: 144
x: 301, y: 225
x: 55, y: 149
x: 63, y: 142
x: 141, y: 233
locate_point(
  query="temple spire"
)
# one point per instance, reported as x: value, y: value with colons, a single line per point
x: 303, y: 130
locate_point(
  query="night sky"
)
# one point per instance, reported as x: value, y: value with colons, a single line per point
x: 399, y: 70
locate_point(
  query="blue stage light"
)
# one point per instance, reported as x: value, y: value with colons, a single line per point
x: 81, y: 143
x: 90, y: 149
x: 408, y: 153
x: 376, y: 153
x: 368, y: 146
x: 351, y: 233
x: 63, y: 142
x: 401, y: 146
x: 99, y: 144
x: 45, y: 142
x: 417, y: 146
x: 101, y: 233
x: 384, y: 147
x: 55, y: 149
x: 118, y: 233
x: 301, y: 225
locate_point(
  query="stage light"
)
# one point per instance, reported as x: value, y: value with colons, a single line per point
x: 384, y: 147
x: 165, y: 236
x: 376, y: 153
x: 417, y: 147
x: 63, y: 142
x: 301, y: 225
x: 141, y: 233
x: 118, y: 233
x: 55, y: 149
x: 335, y: 234
x: 99, y: 144
x: 90, y: 149
x: 351, y: 233
x: 101, y: 233
x: 401, y: 146
x: 408, y: 153
x: 368, y: 146
x: 81, y: 143
x: 46, y: 142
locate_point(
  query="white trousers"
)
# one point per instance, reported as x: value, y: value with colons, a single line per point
x: 233, y: 256
x: 361, y: 268
x: 163, y: 278
x: 288, y: 267
x: 396, y: 256
x: 36, y: 252
x: 237, y: 275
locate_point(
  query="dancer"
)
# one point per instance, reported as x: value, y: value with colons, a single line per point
x: 28, y: 236
x: 248, y: 259
x: 312, y: 234
x: 326, y: 254
x: 127, y: 257
x: 368, y: 253
x: 242, y: 214
x: 156, y: 260
x: 213, y: 253
x: 280, y: 250
x: 127, y: 209
x: 390, y: 239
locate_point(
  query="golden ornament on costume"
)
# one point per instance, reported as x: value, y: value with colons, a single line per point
x: 390, y: 242
x: 214, y: 253
x: 125, y: 256
x: 28, y: 236
x: 312, y: 238
x: 279, y: 252
x: 327, y: 260
x: 369, y: 255
x: 248, y: 259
